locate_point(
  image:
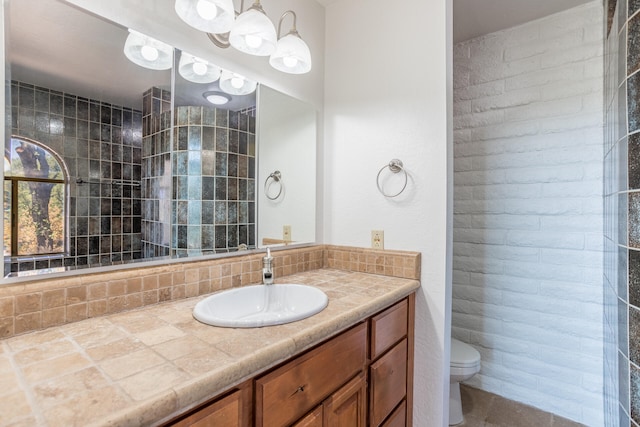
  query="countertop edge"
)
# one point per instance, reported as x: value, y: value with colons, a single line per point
x: 181, y: 399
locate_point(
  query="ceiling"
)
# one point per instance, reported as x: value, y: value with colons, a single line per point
x: 473, y: 18
x: 55, y: 45
x: 75, y: 64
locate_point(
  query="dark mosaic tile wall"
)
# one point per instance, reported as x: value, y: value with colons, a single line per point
x: 213, y: 180
x: 101, y: 146
x: 622, y: 214
x: 156, y: 181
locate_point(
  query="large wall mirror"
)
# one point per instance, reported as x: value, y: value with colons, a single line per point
x: 109, y: 162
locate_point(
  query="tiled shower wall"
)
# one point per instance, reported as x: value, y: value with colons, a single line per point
x: 156, y: 176
x: 622, y: 213
x: 213, y: 180
x: 100, y: 144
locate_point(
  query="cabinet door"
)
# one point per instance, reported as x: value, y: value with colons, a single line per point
x: 398, y: 418
x: 388, y: 383
x: 388, y: 327
x: 312, y: 419
x: 233, y: 410
x: 347, y: 406
x: 294, y: 389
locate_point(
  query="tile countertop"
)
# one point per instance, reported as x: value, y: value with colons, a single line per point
x: 145, y: 366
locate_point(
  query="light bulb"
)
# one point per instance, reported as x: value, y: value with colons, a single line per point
x: 252, y: 41
x: 149, y: 53
x: 237, y: 81
x: 206, y: 10
x: 290, y: 61
x: 200, y: 68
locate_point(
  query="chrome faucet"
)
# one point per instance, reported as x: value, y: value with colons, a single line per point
x: 267, y: 269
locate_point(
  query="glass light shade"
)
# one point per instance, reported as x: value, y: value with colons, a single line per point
x: 148, y: 52
x: 211, y: 16
x: 197, y: 70
x: 216, y: 98
x: 292, y: 55
x: 235, y: 84
x: 253, y: 33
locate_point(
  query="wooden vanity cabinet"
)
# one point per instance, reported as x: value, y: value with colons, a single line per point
x: 391, y: 367
x: 289, y: 392
x: 362, y: 377
x: 234, y: 409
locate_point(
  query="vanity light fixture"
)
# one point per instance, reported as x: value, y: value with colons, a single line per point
x: 253, y: 32
x: 216, y: 98
x: 148, y: 52
x: 211, y: 16
x: 292, y: 54
x: 235, y: 84
x: 197, y: 70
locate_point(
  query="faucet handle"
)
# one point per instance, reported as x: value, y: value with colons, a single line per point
x: 268, y: 252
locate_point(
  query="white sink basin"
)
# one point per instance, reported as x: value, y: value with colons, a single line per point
x: 260, y: 305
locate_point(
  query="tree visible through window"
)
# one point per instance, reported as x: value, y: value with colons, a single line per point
x: 34, y: 196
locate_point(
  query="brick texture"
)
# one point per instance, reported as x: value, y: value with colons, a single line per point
x: 528, y: 220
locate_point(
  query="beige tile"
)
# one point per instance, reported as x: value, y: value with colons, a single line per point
x: 117, y: 288
x: 46, y: 351
x: 159, y: 335
x: 54, y: 316
x: 103, y: 333
x: 86, y: 408
x: 9, y: 384
x: 52, y: 368
x: 28, y: 322
x: 153, y: 381
x: 203, y: 362
x: 7, y: 327
x: 14, y: 408
x: 5, y: 363
x: 77, y: 312
x: 96, y: 291
x: 151, y: 282
x: 28, y: 303
x: 136, y: 322
x: 35, y: 339
x: 56, y: 391
x: 114, y: 349
x: 130, y: 364
x: 28, y: 421
x: 180, y: 347
x: 96, y: 308
x: 134, y: 285
x: 53, y: 298
x: 76, y: 294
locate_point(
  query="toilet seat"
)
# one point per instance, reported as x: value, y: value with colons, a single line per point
x: 463, y: 355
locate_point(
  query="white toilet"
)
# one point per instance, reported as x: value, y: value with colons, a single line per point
x: 465, y: 363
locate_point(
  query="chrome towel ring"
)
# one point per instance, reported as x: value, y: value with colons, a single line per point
x: 394, y: 166
x: 274, y: 177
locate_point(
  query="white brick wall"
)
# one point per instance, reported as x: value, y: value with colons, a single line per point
x: 528, y: 211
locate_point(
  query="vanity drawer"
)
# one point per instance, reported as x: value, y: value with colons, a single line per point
x: 388, y: 387
x: 399, y: 417
x: 289, y: 392
x: 388, y: 327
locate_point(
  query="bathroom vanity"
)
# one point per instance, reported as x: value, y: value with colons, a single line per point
x: 362, y: 377
x: 157, y: 365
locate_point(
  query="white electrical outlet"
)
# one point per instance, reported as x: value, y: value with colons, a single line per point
x: 377, y: 239
x: 286, y: 233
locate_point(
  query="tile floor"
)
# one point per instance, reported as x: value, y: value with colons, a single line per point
x: 483, y: 409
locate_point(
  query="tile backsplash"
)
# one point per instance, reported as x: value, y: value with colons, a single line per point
x: 39, y: 304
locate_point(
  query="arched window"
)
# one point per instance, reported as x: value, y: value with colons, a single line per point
x: 34, y: 199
